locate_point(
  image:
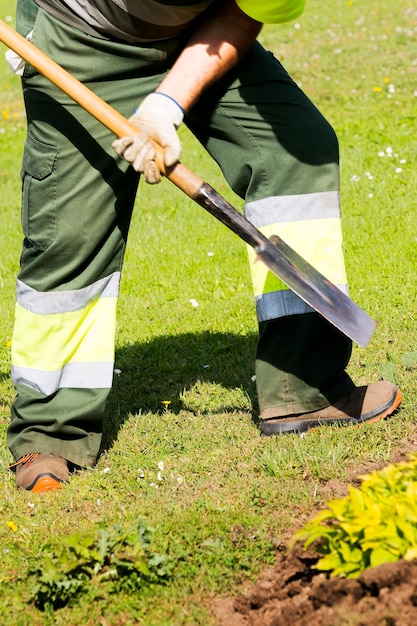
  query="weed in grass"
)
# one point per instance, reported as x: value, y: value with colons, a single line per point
x: 119, y: 556
x: 409, y: 361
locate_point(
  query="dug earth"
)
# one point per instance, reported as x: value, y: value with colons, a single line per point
x: 294, y: 593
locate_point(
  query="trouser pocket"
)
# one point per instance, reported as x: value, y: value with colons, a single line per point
x: 39, y: 189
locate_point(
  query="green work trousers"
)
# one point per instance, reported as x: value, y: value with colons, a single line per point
x: 269, y: 140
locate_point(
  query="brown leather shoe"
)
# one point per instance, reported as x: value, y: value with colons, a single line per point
x: 40, y: 472
x: 363, y: 404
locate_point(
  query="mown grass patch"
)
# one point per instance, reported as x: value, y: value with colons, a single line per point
x: 184, y: 397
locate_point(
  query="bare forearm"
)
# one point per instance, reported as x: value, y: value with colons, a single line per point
x: 213, y: 49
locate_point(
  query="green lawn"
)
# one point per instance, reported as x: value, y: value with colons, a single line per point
x: 184, y: 399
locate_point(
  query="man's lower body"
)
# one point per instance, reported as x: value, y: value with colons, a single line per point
x: 276, y: 151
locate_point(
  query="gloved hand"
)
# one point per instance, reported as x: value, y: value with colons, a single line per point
x: 158, y: 118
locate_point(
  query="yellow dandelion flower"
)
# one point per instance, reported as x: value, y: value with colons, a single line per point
x: 377, y: 89
x: 166, y: 403
x: 9, y: 344
x: 386, y: 80
x: 12, y: 526
x: 6, y: 114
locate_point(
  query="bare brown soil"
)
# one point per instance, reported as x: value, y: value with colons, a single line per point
x: 294, y: 593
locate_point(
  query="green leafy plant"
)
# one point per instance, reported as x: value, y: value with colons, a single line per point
x: 118, y: 556
x: 373, y: 524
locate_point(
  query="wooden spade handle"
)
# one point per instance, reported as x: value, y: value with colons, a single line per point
x: 180, y: 175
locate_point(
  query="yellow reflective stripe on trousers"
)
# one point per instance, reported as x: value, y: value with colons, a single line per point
x: 319, y: 242
x: 311, y: 225
x: 65, y: 338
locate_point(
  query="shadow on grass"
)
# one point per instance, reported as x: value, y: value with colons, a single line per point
x: 161, y: 369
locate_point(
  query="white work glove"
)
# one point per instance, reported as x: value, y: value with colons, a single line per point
x: 17, y: 64
x: 158, y: 118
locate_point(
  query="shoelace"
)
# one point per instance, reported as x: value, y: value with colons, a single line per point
x: 28, y: 458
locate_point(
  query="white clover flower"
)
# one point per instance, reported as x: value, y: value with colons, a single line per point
x: 193, y: 302
x: 210, y: 253
x: 141, y: 473
x: 398, y: 170
x: 117, y: 372
x: 106, y: 470
x: 180, y: 480
x: 355, y: 178
x: 161, y: 466
x: 159, y: 476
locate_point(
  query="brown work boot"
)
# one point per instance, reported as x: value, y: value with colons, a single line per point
x: 362, y: 404
x: 40, y: 472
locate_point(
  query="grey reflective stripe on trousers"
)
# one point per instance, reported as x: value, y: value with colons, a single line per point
x: 50, y: 302
x: 72, y: 375
x: 294, y: 208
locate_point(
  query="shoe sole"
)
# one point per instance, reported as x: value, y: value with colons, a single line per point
x: 390, y: 410
x: 45, y: 483
x: 302, y: 426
